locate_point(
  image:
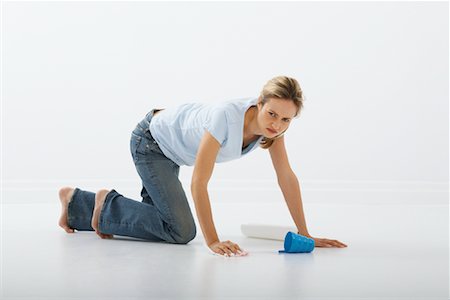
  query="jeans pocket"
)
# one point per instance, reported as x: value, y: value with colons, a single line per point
x: 135, y: 143
x: 147, y: 146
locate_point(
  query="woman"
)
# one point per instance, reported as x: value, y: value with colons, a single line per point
x: 196, y: 135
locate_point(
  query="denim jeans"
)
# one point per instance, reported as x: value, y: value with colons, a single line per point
x: 162, y: 215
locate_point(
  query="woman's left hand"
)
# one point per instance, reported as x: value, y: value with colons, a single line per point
x: 327, y: 243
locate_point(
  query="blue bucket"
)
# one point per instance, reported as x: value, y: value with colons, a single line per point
x: 296, y: 243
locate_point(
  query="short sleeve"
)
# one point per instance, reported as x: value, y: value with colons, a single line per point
x: 217, y: 125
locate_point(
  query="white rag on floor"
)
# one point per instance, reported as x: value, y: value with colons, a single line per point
x: 243, y: 253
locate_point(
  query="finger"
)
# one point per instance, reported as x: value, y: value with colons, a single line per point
x: 343, y: 244
x: 229, y: 249
x: 330, y: 243
x: 324, y: 244
x: 220, y: 251
x: 232, y: 249
x: 228, y: 245
x: 338, y: 244
x: 235, y: 248
x: 225, y: 249
x: 242, y: 253
x: 334, y: 244
x: 231, y: 246
x: 320, y: 243
x: 238, y: 249
x: 217, y: 250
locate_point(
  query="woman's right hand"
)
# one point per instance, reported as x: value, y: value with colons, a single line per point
x: 227, y: 248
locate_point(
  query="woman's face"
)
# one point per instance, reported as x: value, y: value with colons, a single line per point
x: 275, y: 116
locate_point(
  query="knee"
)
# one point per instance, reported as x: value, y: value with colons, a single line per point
x: 185, y: 234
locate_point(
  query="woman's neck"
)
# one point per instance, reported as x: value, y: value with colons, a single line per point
x: 250, y: 123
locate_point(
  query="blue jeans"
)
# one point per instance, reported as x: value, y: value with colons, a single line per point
x: 162, y: 215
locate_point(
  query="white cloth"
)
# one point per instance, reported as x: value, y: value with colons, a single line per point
x: 264, y: 231
x: 243, y: 253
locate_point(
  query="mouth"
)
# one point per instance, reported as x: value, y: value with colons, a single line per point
x: 272, y: 131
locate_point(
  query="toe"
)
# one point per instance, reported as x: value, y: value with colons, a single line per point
x: 68, y: 229
x: 107, y: 236
x: 104, y: 235
x: 100, y: 234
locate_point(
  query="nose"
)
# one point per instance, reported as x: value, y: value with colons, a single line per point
x: 275, y: 126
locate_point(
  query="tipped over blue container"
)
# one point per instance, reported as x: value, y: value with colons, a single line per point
x: 296, y: 243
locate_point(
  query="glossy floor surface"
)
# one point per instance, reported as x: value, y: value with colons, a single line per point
x: 394, y: 252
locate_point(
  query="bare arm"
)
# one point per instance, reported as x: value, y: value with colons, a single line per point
x: 291, y: 191
x: 289, y: 184
x: 204, y: 165
x: 290, y: 187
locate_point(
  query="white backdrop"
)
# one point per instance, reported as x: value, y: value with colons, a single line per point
x: 78, y: 76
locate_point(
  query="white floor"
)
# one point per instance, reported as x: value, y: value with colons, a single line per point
x: 394, y: 252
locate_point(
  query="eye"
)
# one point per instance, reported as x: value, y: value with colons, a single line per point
x: 287, y: 120
x: 271, y: 114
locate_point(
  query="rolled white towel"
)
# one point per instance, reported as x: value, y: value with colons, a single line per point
x: 264, y: 231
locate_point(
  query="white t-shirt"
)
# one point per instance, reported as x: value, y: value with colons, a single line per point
x: 178, y: 130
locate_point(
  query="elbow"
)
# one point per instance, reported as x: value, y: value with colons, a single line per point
x: 198, y: 184
x: 288, y: 178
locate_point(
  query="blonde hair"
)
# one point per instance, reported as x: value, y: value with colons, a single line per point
x: 281, y: 87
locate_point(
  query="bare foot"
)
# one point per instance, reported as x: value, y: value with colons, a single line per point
x: 99, y: 200
x: 65, y: 195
